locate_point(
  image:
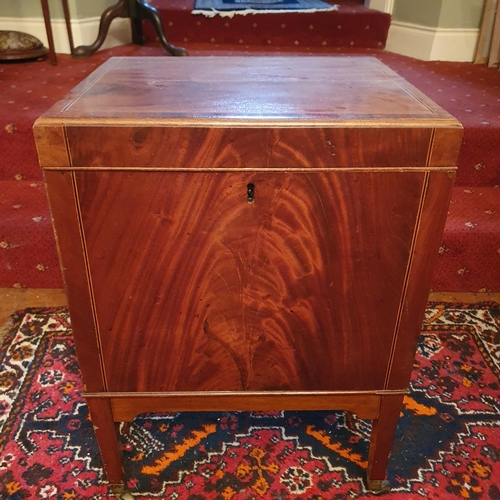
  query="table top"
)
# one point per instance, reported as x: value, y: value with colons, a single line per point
x: 267, y: 91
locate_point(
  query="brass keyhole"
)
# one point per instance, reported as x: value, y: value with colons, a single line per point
x: 250, y: 193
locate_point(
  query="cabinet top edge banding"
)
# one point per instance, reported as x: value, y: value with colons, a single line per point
x: 248, y: 122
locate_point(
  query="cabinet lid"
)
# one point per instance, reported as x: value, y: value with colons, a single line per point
x: 319, y: 91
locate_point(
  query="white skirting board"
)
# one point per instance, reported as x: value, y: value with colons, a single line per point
x: 84, y: 31
x: 432, y: 44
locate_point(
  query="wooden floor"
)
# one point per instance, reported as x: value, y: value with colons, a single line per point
x: 12, y: 299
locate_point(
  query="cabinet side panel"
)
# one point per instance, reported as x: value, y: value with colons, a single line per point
x: 197, y: 289
x: 252, y: 148
x: 428, y: 240
x: 445, y: 147
x: 51, y: 145
x: 63, y: 207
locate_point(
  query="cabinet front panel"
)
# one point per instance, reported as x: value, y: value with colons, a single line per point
x: 204, y: 283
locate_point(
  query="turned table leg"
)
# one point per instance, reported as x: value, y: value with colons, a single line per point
x: 136, y: 10
x: 383, y: 430
x: 118, y: 10
x: 145, y: 11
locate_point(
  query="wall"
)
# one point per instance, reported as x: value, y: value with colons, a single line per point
x: 439, y: 13
x: 435, y: 29
x: 422, y: 12
x: 27, y: 16
x: 461, y: 14
x: 33, y: 8
x: 381, y: 5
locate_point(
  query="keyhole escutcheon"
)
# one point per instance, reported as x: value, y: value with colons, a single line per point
x: 250, y: 193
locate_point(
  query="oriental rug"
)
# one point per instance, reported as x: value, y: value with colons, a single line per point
x: 447, y: 445
x: 229, y: 8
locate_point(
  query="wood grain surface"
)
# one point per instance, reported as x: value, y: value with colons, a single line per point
x: 246, y: 148
x: 51, y: 146
x: 73, y: 258
x: 446, y: 144
x: 434, y: 211
x: 107, y: 437
x: 127, y: 406
x: 334, y: 90
x: 247, y: 233
x: 382, y: 435
x: 296, y: 291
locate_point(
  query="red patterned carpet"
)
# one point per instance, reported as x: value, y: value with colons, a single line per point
x: 447, y: 444
x: 470, y: 254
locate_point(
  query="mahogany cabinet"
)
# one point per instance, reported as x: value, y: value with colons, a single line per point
x: 243, y: 233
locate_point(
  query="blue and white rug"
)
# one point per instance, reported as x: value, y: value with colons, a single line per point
x: 229, y: 8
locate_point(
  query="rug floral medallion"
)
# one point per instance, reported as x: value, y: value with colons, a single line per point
x: 447, y: 443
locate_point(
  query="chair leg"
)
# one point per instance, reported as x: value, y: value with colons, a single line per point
x: 48, y: 28
x: 67, y: 19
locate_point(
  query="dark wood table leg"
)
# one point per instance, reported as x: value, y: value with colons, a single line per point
x: 120, y: 9
x: 48, y: 28
x: 67, y: 19
x: 383, y: 430
x: 136, y: 10
x: 137, y: 35
x: 145, y: 11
